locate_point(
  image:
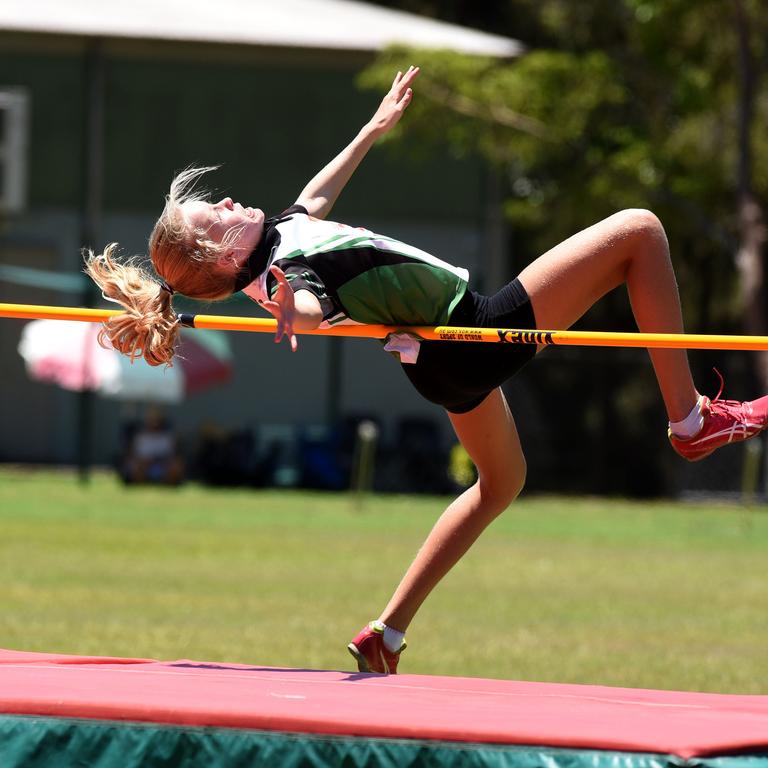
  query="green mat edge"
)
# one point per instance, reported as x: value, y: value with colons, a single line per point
x: 31, y: 741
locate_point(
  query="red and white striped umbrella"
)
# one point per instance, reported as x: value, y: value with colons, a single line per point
x: 67, y: 353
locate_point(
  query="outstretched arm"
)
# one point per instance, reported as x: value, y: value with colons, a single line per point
x: 321, y: 193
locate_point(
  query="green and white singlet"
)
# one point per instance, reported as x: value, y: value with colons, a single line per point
x: 357, y: 275
x: 361, y: 277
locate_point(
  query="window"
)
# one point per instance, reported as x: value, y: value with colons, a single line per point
x: 14, y: 124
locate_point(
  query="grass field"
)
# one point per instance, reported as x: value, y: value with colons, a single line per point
x: 581, y: 590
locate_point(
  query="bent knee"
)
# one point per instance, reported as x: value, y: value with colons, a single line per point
x: 499, y: 491
x: 641, y: 222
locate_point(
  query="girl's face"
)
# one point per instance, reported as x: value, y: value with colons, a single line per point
x: 244, y: 225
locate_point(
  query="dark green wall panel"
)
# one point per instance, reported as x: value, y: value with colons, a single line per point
x: 271, y: 129
x: 57, y: 124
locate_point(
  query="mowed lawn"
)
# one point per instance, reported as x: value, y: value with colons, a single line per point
x: 585, y: 590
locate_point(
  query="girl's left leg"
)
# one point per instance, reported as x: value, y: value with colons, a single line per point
x: 489, y: 435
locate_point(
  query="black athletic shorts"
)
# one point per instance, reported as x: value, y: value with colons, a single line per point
x: 459, y: 375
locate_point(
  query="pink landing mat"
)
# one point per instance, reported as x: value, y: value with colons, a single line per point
x: 463, y: 709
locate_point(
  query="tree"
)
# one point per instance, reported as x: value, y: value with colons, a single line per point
x: 751, y: 214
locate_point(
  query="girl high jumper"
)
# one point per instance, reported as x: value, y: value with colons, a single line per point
x: 309, y: 272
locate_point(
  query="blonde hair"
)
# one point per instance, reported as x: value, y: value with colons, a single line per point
x: 183, y: 256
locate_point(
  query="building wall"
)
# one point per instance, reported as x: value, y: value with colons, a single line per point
x: 270, y: 120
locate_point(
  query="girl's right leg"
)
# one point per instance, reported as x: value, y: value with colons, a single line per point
x: 629, y: 248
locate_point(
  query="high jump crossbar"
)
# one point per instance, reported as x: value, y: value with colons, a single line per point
x: 438, y: 333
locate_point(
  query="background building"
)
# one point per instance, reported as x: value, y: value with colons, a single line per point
x: 113, y: 100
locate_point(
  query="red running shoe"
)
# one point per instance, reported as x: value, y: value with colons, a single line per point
x: 725, y: 421
x: 370, y: 652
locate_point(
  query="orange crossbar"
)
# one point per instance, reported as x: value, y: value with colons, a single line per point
x: 440, y: 333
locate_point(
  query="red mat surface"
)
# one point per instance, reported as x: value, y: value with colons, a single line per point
x: 406, y: 706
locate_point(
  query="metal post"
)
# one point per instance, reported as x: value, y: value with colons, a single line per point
x: 93, y: 173
x: 364, y: 461
x: 334, y: 381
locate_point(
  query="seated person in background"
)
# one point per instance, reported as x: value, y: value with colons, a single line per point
x: 153, y: 455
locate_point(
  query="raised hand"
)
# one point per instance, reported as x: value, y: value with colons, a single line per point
x: 283, y: 307
x: 395, y: 102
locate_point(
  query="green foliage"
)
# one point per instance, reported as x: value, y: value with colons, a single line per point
x: 629, y: 103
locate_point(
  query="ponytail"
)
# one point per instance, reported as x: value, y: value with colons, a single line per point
x: 185, y: 257
x: 149, y: 328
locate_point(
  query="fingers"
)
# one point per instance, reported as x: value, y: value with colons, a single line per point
x: 280, y: 329
x: 405, y: 100
x: 283, y: 314
x: 408, y: 77
x: 283, y: 330
x: 275, y: 310
x: 402, y: 82
x: 279, y: 274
